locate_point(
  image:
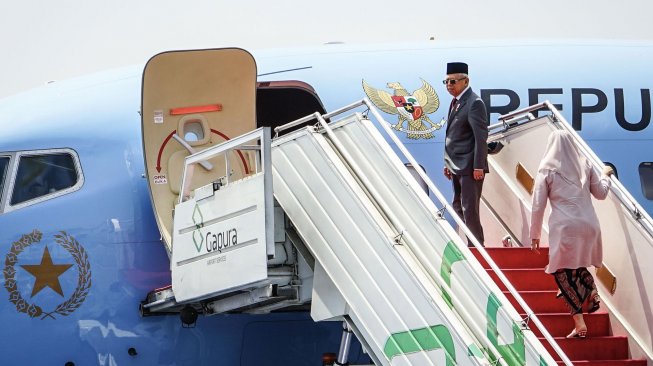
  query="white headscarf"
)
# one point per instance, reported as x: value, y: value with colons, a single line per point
x: 562, y: 157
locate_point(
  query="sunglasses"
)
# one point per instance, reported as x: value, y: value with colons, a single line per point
x: 451, y: 81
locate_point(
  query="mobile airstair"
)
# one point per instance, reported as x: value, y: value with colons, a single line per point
x: 375, y: 251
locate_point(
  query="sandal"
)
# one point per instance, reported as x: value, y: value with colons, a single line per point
x: 577, y: 334
x: 594, y: 302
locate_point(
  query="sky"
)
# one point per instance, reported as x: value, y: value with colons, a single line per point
x: 57, y: 39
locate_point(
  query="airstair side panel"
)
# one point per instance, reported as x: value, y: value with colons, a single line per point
x: 507, y: 188
x: 436, y: 246
x: 399, y: 315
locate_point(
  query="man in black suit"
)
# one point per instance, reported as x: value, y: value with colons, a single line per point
x: 465, y: 147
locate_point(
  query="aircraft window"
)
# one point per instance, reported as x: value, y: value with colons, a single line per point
x: 616, y: 174
x: 4, y: 162
x: 40, y: 175
x: 193, y: 131
x: 646, y: 179
x: 190, y: 136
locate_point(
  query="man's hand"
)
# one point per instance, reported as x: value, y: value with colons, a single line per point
x: 447, y: 173
x: 535, y: 245
x: 478, y: 174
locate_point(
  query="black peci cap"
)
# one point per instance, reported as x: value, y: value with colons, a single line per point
x: 457, y: 68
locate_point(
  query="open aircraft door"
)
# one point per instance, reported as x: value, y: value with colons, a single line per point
x: 205, y: 161
x: 192, y: 100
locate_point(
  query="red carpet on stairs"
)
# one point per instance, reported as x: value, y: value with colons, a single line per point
x: 525, y: 270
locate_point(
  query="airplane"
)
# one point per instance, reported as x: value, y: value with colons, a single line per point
x: 87, y: 251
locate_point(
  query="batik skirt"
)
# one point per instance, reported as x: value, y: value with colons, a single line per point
x: 576, y: 286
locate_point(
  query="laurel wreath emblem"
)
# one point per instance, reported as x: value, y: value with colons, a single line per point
x: 83, y: 281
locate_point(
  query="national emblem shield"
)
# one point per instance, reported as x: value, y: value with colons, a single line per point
x: 408, y: 106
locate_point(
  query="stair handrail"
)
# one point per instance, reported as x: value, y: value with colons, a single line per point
x: 358, y: 171
x: 384, y: 124
x: 636, y: 210
x: 461, y: 224
x: 321, y: 122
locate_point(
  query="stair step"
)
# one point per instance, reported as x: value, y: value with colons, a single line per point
x: 525, y: 270
x: 526, y: 280
x: 591, y: 348
x: 539, y: 301
x: 510, y: 258
x: 559, y: 325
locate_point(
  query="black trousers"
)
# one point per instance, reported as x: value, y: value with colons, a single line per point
x: 467, y: 202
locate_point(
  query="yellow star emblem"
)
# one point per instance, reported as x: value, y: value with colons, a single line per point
x: 47, y: 273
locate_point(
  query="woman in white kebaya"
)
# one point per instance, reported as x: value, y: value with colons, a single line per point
x: 568, y: 181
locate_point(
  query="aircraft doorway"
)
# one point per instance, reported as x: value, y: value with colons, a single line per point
x: 280, y: 102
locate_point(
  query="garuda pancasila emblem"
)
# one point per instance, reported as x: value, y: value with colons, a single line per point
x: 412, y: 108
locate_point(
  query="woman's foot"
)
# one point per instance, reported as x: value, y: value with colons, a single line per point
x: 577, y: 333
x: 580, y: 329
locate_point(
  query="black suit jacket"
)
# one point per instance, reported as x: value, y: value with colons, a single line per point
x: 465, y: 147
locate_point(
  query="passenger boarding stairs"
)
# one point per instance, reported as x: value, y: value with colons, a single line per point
x: 351, y: 232
x: 620, y: 332
x: 386, y: 260
x: 525, y: 269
